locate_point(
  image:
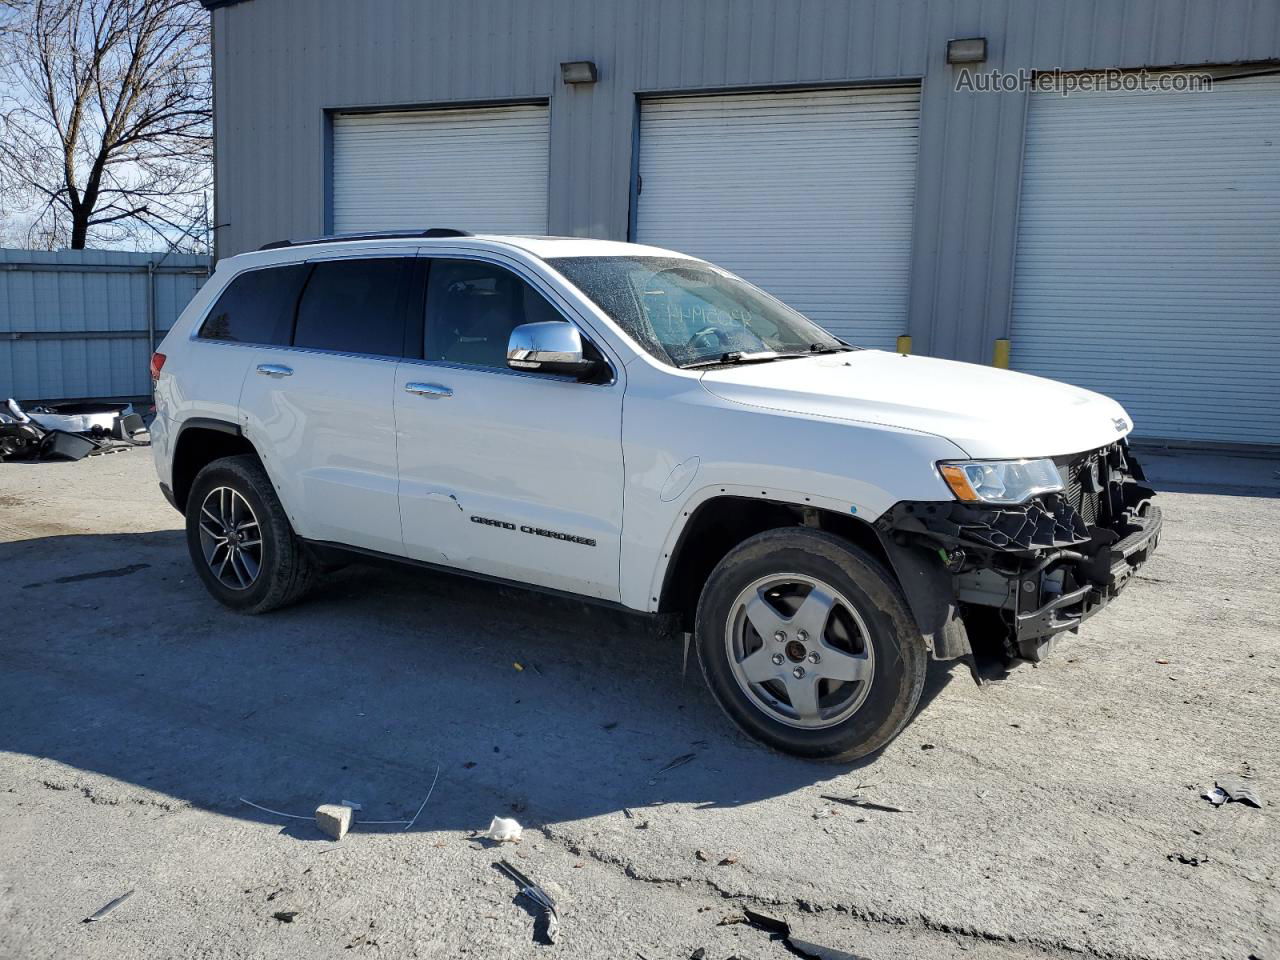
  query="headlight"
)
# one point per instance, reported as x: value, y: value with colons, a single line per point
x: 1000, y: 481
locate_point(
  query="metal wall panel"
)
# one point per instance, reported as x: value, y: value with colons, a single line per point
x: 280, y: 64
x: 74, y: 324
x: 808, y: 195
x: 1149, y: 256
x: 482, y: 170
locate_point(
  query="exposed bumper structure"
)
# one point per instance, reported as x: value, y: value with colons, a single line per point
x: 1106, y: 573
x: 1044, y: 566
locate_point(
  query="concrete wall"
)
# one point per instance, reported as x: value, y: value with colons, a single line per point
x: 280, y: 65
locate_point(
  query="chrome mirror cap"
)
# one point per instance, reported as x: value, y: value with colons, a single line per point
x: 552, y: 346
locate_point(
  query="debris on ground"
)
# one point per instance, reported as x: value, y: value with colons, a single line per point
x: 67, y: 431
x: 926, y: 746
x: 337, y: 819
x: 550, y: 915
x: 364, y: 939
x: 728, y: 861
x: 104, y: 910
x: 1239, y: 791
x: 284, y: 916
x: 503, y: 830
x: 1190, y: 859
x: 1217, y: 796
x: 679, y: 761
x: 701, y: 855
x: 864, y: 804
x: 334, y: 819
x: 824, y: 812
x: 430, y: 790
x: 699, y: 954
x: 780, y: 931
x: 1233, y: 790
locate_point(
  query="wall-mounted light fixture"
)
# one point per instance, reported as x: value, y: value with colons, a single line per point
x: 578, y: 71
x: 968, y: 50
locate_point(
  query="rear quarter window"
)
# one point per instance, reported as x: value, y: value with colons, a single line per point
x: 257, y: 307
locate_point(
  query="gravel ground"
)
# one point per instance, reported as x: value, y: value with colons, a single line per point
x: 1053, y: 813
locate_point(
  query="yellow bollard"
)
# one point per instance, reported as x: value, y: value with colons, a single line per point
x: 1000, y: 356
x: 904, y: 345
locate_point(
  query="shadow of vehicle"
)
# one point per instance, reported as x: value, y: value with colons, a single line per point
x: 119, y: 663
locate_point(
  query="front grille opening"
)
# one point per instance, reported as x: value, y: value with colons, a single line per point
x: 1083, y: 477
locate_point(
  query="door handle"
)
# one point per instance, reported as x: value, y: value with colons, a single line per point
x: 276, y: 370
x: 432, y: 391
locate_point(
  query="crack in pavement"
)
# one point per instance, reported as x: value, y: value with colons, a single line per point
x: 919, y: 922
x: 96, y: 797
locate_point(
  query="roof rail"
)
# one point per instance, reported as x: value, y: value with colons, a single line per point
x: 379, y: 235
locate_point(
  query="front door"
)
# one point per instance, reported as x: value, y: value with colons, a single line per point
x: 508, y: 474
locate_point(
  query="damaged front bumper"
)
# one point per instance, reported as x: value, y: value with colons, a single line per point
x: 1040, y: 568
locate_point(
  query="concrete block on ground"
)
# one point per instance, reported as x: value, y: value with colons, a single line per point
x: 334, y: 819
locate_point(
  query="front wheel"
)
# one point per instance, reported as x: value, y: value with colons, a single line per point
x: 807, y: 644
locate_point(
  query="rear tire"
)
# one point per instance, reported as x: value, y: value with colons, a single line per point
x: 241, y: 541
x: 807, y: 644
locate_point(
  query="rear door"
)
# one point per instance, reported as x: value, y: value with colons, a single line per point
x: 320, y: 410
x: 511, y: 474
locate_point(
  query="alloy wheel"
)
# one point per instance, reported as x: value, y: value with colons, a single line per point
x: 800, y: 650
x: 231, y: 538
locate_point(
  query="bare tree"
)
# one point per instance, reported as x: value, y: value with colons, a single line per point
x: 105, y: 120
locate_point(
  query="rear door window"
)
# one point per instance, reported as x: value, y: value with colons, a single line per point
x: 257, y: 306
x: 356, y: 306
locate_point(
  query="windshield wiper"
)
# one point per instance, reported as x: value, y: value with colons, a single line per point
x: 736, y: 356
x: 830, y: 347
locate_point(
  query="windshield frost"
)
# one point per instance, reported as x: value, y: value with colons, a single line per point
x: 688, y: 312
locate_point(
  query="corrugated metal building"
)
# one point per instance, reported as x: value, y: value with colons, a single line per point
x: 82, y: 324
x: 826, y: 149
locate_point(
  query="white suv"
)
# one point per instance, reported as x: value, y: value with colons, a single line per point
x: 640, y: 428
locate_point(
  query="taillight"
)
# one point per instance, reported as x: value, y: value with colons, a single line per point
x: 157, y: 364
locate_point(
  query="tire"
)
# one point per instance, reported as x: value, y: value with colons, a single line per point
x: 278, y: 570
x: 869, y: 657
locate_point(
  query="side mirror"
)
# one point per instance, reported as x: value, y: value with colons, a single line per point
x: 552, y: 346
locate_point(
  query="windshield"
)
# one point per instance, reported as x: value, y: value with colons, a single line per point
x: 688, y: 313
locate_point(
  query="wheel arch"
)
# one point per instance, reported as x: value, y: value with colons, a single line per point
x: 200, y: 441
x: 719, y: 523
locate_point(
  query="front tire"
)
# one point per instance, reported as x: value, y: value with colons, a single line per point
x: 807, y: 644
x: 241, y: 541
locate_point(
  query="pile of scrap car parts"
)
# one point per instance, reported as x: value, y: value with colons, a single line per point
x: 67, y: 431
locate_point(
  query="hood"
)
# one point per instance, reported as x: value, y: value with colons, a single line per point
x: 989, y: 413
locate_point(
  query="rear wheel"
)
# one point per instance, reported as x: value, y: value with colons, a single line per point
x: 240, y: 539
x: 807, y: 644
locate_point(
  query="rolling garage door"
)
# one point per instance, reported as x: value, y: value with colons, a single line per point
x: 483, y: 170
x: 1148, y: 261
x: 809, y: 195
